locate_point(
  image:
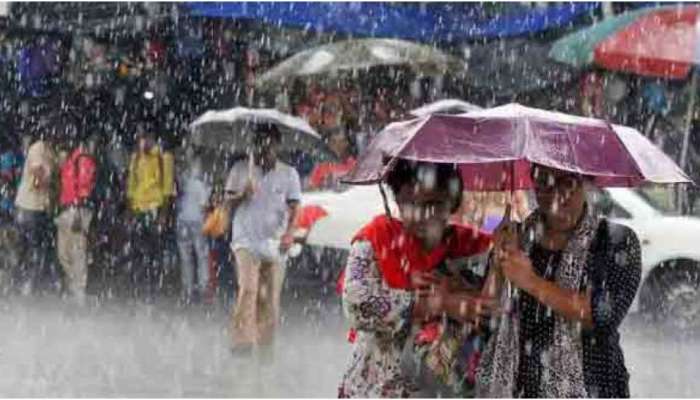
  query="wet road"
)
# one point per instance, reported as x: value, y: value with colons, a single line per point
x: 51, y: 348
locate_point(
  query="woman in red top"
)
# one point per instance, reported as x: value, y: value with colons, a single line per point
x: 391, y: 285
x: 326, y: 175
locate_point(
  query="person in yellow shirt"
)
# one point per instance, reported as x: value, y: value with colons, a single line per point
x: 150, y: 190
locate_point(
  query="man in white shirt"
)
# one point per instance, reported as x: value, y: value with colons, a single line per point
x: 265, y: 194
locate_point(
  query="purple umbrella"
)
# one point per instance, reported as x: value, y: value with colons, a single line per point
x: 496, y: 147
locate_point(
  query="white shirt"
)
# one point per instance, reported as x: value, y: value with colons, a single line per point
x: 30, y: 197
x: 194, y: 196
x: 261, y: 220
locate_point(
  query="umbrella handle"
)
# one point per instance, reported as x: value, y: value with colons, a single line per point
x: 251, y: 165
x: 508, y: 216
x: 387, y: 210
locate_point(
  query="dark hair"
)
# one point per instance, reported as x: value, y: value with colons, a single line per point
x: 406, y: 172
x: 580, y: 177
x: 344, y: 130
x: 268, y: 130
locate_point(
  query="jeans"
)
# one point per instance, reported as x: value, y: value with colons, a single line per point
x: 146, y: 255
x: 194, y: 256
x: 36, y: 246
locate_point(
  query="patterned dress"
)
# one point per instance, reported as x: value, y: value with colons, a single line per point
x: 382, y: 317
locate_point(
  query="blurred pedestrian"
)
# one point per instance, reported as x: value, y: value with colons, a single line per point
x: 11, y: 161
x: 222, y: 269
x: 150, y: 188
x: 35, y: 200
x: 194, y: 192
x: 77, y: 176
x: 326, y: 175
x: 109, y: 231
x: 265, y: 194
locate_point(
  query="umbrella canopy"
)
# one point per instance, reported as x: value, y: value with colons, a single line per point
x: 360, y: 54
x: 443, y: 22
x: 231, y: 130
x: 495, y: 148
x: 446, y: 106
x: 660, y: 42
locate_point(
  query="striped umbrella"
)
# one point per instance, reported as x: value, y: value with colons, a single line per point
x: 659, y: 42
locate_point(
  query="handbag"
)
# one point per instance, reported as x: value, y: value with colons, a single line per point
x: 217, y: 223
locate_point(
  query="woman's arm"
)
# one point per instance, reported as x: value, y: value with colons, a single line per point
x: 573, y: 305
x: 604, y: 305
x: 369, y: 303
x: 615, y: 284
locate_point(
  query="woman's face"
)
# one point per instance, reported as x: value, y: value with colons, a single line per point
x: 145, y: 143
x: 425, y: 212
x: 560, y: 195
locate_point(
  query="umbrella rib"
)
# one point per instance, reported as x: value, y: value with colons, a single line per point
x: 629, y: 153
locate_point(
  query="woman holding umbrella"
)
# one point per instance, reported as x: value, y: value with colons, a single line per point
x: 391, y: 281
x: 576, y: 277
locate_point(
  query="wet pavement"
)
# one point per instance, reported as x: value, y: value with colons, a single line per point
x: 51, y: 348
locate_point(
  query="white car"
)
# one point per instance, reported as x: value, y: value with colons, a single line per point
x: 670, y: 287
x: 670, y: 251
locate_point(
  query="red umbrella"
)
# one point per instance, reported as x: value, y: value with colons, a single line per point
x: 308, y: 215
x: 495, y: 149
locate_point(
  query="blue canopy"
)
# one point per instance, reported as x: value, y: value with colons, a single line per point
x: 439, y: 22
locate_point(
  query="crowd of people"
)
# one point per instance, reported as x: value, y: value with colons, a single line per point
x: 76, y: 224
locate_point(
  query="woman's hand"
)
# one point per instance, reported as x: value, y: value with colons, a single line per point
x: 430, y: 303
x: 422, y: 280
x: 505, y: 235
x: 571, y: 304
x: 461, y: 306
x: 466, y: 307
x: 286, y: 242
x: 516, y: 266
x: 38, y: 174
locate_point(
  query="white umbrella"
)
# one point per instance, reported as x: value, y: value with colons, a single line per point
x: 361, y: 54
x: 231, y: 130
x: 446, y: 106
